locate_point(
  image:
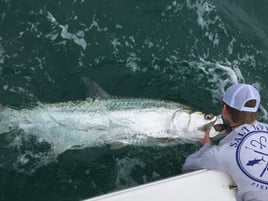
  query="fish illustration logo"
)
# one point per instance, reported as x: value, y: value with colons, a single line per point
x: 255, y: 161
x: 252, y: 156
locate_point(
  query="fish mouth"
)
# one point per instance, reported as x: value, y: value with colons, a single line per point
x: 209, y: 125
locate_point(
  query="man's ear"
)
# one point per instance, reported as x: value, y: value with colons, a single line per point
x: 224, y: 107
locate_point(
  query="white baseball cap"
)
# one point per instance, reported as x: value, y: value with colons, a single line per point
x: 237, y: 95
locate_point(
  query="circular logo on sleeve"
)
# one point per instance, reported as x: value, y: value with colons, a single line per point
x: 252, y: 156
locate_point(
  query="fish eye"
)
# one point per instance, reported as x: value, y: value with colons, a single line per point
x: 208, y: 116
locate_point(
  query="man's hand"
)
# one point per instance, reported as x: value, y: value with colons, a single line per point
x: 206, y: 138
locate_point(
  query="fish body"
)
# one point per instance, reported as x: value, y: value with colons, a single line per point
x: 109, y: 121
x: 255, y: 161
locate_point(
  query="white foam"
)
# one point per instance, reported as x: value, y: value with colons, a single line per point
x: 249, y: 59
x: 116, y: 42
x: 206, y: 20
x: 51, y: 18
x: 175, y: 7
x: 2, y: 53
x: 132, y: 62
x: 22, y: 159
x: 218, y: 75
x: 118, y: 26
x: 74, y: 37
x: 95, y: 25
x: 77, y: 38
x: 231, y: 46
x: 28, y: 162
x: 148, y: 43
x: 5, y: 87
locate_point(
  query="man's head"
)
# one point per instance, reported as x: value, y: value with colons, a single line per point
x: 242, y: 102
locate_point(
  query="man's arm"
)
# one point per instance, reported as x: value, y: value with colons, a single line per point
x: 205, y: 157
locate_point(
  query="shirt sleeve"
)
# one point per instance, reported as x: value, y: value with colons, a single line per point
x: 205, y: 158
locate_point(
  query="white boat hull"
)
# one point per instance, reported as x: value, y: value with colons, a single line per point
x: 202, y: 185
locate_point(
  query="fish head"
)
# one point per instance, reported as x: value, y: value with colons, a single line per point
x: 193, y: 125
x: 217, y: 127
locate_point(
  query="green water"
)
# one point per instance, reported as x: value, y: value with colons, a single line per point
x: 186, y: 51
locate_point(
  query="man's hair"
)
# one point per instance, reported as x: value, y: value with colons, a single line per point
x: 241, y: 116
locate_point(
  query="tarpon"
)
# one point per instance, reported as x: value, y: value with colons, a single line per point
x: 115, y: 121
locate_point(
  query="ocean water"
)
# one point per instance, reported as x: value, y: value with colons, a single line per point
x: 187, y: 51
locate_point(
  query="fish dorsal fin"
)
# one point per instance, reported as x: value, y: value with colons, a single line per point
x: 93, y: 89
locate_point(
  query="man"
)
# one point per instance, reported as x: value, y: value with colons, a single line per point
x: 243, y: 152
